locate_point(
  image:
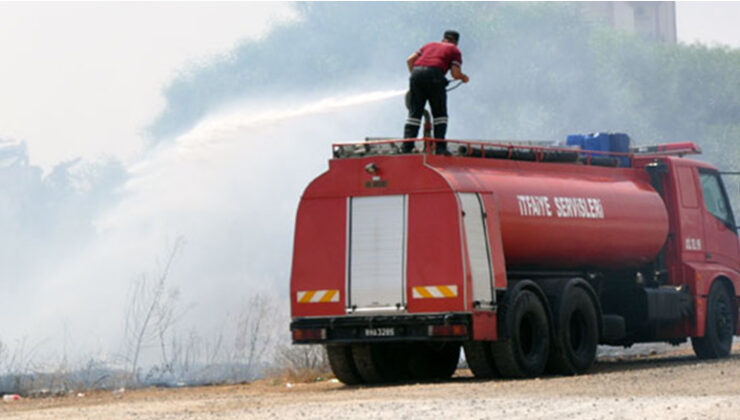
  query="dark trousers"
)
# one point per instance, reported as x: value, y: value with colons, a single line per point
x: 426, y: 84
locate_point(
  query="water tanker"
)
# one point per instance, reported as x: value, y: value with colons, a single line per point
x: 525, y: 255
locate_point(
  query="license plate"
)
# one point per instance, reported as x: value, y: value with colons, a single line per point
x: 380, y: 332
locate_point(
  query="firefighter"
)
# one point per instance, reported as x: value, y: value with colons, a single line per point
x: 427, y: 82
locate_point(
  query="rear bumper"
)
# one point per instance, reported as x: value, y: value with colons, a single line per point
x: 382, y: 328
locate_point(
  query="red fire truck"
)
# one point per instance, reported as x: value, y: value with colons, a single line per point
x: 527, y: 256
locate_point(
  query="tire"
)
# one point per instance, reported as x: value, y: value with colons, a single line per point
x: 381, y: 362
x: 576, y: 334
x: 433, y: 361
x: 524, y: 353
x: 479, y: 356
x: 342, y: 364
x: 720, y: 325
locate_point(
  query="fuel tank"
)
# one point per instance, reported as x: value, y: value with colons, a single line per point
x: 567, y: 216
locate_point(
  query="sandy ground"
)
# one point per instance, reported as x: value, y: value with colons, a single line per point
x: 668, y: 386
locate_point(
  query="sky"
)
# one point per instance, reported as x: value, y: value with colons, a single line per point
x: 85, y: 79
x: 711, y: 22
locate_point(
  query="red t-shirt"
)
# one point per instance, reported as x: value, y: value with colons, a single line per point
x: 439, y: 54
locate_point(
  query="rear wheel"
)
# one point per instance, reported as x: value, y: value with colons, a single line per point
x: 523, y: 354
x: 429, y: 361
x: 479, y: 356
x: 342, y: 363
x: 720, y: 325
x: 576, y: 335
x: 381, y: 362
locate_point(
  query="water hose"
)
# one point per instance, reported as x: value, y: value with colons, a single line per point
x: 454, y: 86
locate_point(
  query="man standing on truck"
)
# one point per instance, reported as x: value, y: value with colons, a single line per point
x: 428, y: 67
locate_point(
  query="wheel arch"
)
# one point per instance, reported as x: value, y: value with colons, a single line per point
x: 721, y: 278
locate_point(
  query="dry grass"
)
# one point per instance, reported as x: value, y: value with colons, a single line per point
x: 301, y: 364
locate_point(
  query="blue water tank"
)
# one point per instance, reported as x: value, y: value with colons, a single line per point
x: 575, y: 140
x: 598, y: 142
x: 619, y: 142
x: 603, y: 142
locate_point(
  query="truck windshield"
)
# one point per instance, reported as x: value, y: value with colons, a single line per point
x: 715, y: 198
x: 731, y: 181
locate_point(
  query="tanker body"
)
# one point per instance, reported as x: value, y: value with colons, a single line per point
x: 557, y: 217
x: 526, y: 256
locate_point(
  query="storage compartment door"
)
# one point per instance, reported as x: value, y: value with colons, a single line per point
x: 377, y: 253
x: 476, y: 238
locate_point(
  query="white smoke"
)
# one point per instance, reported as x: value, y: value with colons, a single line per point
x: 230, y: 187
x: 218, y: 138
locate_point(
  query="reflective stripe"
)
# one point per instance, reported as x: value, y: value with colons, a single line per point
x: 422, y: 292
x: 317, y: 296
x: 434, y: 292
x: 329, y: 296
x: 440, y: 120
x: 447, y: 292
x: 456, y: 63
x: 413, y: 121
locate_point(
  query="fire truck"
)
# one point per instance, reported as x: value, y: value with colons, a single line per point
x: 526, y: 255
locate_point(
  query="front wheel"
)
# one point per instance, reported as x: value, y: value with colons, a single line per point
x: 720, y: 325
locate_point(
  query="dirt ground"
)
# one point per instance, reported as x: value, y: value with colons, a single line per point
x: 673, y: 385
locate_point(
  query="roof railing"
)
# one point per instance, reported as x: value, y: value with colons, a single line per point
x: 534, y: 150
x: 676, y: 149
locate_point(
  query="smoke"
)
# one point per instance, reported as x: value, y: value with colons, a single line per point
x: 216, y: 131
x: 230, y: 187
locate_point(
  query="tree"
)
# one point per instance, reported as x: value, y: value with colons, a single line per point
x: 254, y: 334
x: 151, y: 311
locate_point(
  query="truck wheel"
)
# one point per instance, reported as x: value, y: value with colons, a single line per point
x: 720, y: 325
x: 523, y: 354
x: 576, y: 335
x: 381, y: 362
x: 433, y: 360
x: 479, y: 356
x: 342, y: 364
